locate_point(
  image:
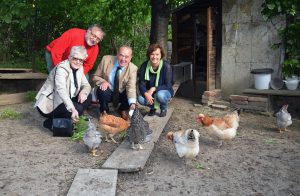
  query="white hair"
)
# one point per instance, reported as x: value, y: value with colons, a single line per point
x: 80, y: 51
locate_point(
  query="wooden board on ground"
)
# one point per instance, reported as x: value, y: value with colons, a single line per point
x: 94, y: 182
x: 125, y: 159
x: 7, y: 99
x: 22, y: 76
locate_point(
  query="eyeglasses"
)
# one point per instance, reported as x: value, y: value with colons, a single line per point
x: 77, y: 60
x: 95, y: 37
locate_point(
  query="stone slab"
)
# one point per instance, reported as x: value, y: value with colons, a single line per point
x: 94, y: 182
x: 125, y: 159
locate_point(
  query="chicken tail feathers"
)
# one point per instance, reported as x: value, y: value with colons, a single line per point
x: 170, y: 135
x: 238, y: 111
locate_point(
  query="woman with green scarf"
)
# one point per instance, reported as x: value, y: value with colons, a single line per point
x: 155, y: 81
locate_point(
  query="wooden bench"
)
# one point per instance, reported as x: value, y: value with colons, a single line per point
x: 270, y: 94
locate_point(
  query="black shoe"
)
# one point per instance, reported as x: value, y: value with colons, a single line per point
x: 163, y: 113
x: 151, y: 112
x: 48, y: 124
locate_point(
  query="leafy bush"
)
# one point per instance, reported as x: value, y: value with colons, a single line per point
x: 10, y: 113
x: 30, y: 96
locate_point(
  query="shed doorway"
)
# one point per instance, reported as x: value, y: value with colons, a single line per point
x: 197, y: 39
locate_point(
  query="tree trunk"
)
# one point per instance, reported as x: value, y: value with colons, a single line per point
x: 160, y: 15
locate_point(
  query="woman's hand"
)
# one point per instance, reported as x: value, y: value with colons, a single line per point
x: 74, y: 115
x: 104, y: 85
x: 151, y: 90
x: 149, y: 98
x: 82, y: 96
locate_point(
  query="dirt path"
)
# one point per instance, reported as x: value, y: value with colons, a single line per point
x: 259, y: 161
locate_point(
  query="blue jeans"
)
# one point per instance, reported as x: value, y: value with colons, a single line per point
x: 162, y: 97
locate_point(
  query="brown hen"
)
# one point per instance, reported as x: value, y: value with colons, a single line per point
x: 112, y: 125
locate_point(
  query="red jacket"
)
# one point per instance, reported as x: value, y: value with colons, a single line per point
x: 60, y: 48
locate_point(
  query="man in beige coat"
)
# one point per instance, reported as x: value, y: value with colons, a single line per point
x: 104, y: 78
x: 66, y: 92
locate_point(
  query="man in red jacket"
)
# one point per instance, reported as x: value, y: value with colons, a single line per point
x: 59, y: 49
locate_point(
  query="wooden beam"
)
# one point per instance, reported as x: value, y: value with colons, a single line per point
x: 20, y: 76
x: 7, y: 99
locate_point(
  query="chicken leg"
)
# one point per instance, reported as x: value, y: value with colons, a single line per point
x: 94, y: 150
x: 111, y: 139
x: 139, y: 146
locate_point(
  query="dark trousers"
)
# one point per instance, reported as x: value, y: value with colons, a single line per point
x: 106, y: 96
x: 62, y: 112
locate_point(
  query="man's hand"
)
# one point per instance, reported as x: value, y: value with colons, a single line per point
x: 104, y: 85
x: 82, y: 96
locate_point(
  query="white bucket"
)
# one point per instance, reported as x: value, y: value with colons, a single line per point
x: 262, y: 78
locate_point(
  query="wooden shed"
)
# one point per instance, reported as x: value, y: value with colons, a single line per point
x: 197, y: 38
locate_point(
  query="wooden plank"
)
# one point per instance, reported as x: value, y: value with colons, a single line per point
x: 125, y: 159
x: 94, y: 182
x: 295, y: 93
x: 22, y: 76
x: 7, y: 99
x: 14, y: 70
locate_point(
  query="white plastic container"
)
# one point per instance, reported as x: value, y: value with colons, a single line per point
x: 262, y: 78
x: 291, y: 84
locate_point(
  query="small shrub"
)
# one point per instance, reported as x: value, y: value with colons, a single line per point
x: 30, y: 96
x: 10, y: 113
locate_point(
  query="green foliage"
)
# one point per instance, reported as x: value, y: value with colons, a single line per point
x: 123, y: 134
x: 30, y: 96
x: 10, y: 113
x: 290, y: 35
x: 200, y: 166
x: 79, y: 129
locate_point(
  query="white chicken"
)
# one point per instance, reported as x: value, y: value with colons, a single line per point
x: 186, y: 142
x: 283, y: 118
x: 222, y: 128
x: 92, y: 138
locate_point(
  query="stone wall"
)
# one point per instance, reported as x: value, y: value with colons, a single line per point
x: 246, y: 44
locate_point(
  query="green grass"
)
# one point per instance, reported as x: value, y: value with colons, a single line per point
x: 30, y: 96
x: 270, y: 141
x: 200, y: 166
x: 10, y: 113
x: 79, y: 129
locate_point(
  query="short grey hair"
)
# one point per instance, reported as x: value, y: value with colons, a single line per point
x: 96, y: 26
x: 125, y: 46
x: 79, y: 51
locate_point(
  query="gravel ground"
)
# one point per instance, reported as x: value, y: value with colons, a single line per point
x: 259, y: 161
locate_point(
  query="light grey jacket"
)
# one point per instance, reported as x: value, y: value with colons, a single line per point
x: 64, y: 88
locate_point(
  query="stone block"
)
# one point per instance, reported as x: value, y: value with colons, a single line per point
x: 249, y: 107
x: 213, y: 93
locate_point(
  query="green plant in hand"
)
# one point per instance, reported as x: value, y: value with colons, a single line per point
x: 80, y: 128
x: 10, y: 113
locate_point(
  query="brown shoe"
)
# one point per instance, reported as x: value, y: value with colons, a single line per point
x: 124, y: 114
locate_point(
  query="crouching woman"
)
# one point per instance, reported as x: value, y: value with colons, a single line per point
x: 66, y: 92
x: 155, y: 81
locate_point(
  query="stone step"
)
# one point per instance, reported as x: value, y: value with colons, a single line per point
x: 125, y: 159
x: 94, y: 182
